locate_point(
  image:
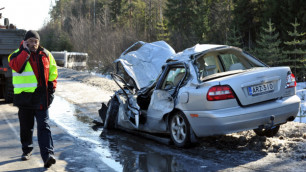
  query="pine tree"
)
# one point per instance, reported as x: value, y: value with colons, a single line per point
x: 183, y: 17
x: 115, y: 9
x: 283, y: 12
x: 162, y: 30
x: 247, y: 15
x: 297, y: 51
x: 234, y: 38
x: 269, y: 46
x: 214, y: 20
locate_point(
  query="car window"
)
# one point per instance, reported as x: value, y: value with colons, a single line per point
x: 222, y: 61
x: 173, y: 78
x: 207, y: 65
x: 231, y: 62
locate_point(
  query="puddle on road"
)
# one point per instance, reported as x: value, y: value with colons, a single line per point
x: 64, y: 113
x: 122, y: 151
x: 138, y: 154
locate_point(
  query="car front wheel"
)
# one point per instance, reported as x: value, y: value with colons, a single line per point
x: 267, y: 132
x: 180, y: 130
x: 113, y: 108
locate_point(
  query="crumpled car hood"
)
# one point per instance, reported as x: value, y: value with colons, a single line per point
x: 144, y: 64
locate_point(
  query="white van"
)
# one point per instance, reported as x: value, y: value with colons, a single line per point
x: 74, y: 60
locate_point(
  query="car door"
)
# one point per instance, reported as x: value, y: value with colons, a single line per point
x: 164, y: 95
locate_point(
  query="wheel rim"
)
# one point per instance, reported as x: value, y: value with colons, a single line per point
x: 178, y: 129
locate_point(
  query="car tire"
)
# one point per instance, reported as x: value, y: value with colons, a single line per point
x: 180, y: 130
x: 113, y: 106
x: 267, y: 132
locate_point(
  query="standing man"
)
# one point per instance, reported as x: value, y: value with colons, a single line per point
x: 34, y: 80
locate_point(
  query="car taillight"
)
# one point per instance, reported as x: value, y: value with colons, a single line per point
x: 220, y: 92
x: 291, y: 82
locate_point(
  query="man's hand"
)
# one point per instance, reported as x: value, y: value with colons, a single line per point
x: 50, y: 93
x: 25, y: 46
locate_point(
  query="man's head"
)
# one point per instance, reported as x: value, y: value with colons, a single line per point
x: 32, y: 40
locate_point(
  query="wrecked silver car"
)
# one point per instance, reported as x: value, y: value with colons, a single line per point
x: 202, y: 91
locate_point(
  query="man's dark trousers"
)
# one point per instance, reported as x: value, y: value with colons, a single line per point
x: 26, y: 120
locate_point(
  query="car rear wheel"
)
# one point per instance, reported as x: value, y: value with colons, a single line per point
x: 180, y: 130
x: 267, y: 132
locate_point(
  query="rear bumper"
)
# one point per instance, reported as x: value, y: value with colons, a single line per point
x: 230, y: 120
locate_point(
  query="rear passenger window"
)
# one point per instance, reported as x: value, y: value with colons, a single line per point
x: 231, y: 62
x: 207, y: 65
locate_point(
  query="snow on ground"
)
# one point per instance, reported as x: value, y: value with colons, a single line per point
x: 289, y: 143
x: 97, y: 80
x: 301, y: 92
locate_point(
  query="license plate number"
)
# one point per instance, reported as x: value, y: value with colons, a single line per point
x: 261, y: 89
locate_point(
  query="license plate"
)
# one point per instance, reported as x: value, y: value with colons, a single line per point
x: 261, y: 89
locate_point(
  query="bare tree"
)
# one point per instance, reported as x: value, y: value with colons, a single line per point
x: 102, y: 43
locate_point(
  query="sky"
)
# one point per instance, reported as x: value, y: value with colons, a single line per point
x: 26, y: 14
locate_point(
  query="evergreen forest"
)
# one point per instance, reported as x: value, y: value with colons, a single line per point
x: 272, y: 30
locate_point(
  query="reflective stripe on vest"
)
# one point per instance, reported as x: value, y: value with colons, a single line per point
x: 24, y: 85
x: 23, y: 73
x: 25, y: 81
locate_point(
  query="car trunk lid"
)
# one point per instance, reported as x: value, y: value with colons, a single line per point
x: 258, y: 84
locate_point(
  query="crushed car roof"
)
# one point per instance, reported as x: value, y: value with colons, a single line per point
x: 185, y: 55
x: 144, y: 64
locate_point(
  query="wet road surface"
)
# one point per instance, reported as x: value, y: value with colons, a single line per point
x: 72, y: 154
x: 128, y: 152
x: 80, y: 145
x: 123, y: 151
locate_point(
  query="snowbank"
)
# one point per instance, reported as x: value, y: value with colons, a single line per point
x: 290, y: 142
x: 89, y: 78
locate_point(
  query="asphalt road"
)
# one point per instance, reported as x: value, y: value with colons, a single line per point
x: 71, y: 153
x: 133, y: 153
